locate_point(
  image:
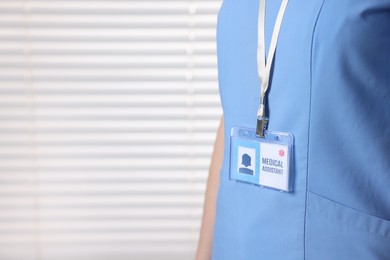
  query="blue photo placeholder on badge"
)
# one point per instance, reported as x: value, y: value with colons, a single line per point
x: 245, y: 161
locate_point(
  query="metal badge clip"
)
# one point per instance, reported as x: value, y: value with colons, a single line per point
x: 262, y: 124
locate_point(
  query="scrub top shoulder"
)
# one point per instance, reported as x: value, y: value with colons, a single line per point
x: 330, y: 88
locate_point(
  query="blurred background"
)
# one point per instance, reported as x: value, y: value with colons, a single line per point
x: 108, y: 113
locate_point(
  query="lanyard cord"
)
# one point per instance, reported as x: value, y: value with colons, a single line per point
x: 264, y: 68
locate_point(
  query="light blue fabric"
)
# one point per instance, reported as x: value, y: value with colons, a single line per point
x: 330, y: 88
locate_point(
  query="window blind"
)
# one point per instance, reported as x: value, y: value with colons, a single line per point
x: 108, y: 112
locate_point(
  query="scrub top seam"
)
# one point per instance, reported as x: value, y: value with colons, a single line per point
x: 309, y: 125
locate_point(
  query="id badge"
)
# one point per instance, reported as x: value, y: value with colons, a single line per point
x: 264, y: 161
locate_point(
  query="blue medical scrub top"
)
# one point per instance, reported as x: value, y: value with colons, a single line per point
x: 330, y: 88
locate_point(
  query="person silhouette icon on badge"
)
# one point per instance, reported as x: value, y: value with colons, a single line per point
x: 246, y: 161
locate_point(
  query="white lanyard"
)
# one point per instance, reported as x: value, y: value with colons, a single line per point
x: 264, y: 68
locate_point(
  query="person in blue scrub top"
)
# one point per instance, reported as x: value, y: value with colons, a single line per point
x: 330, y: 88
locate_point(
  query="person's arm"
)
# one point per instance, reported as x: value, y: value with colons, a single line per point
x: 207, y: 229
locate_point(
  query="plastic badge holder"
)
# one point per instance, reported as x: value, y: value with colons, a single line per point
x: 266, y: 162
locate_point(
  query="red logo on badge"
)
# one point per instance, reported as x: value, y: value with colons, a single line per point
x: 281, y: 153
